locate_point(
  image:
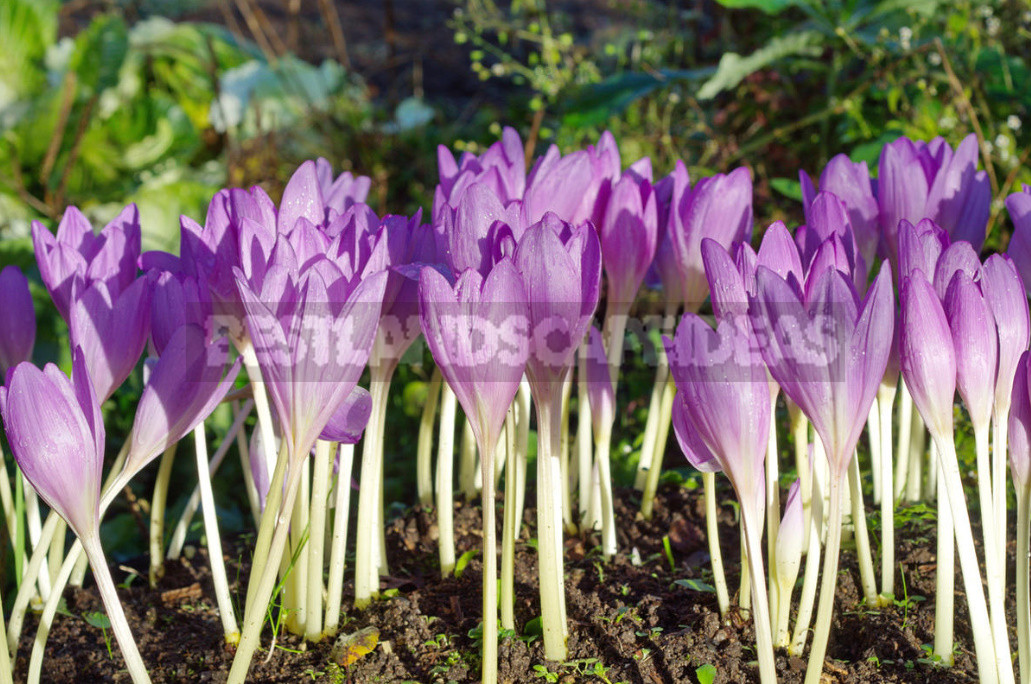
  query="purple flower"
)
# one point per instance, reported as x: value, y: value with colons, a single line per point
x: 1020, y: 424
x: 920, y: 247
x: 77, y: 254
x: 850, y: 182
x: 177, y: 300
x: 920, y: 180
x: 722, y: 413
x: 111, y: 329
x: 828, y: 351
x: 1019, y: 249
x: 338, y: 194
x: 185, y: 386
x: 502, y: 169
x: 926, y: 353
x: 717, y: 208
x: 477, y: 332
x: 561, y: 271
x: 17, y: 319
x: 1004, y: 292
x: 56, y: 432
x: 471, y: 233
x: 976, y: 344
x: 312, y: 332
x: 576, y: 186
x: 629, y: 235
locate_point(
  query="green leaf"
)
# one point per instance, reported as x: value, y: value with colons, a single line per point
x: 734, y: 68
x: 100, y: 51
x: 791, y: 189
x: 768, y: 6
x: 596, y: 103
x: 97, y: 619
x: 695, y: 585
x: 706, y: 674
x: 463, y: 561
x: 27, y: 29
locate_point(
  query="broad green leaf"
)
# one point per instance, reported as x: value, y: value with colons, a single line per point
x: 706, y: 674
x: 27, y: 29
x: 768, y: 6
x: 791, y: 189
x: 594, y: 104
x: 100, y: 51
x: 733, y: 68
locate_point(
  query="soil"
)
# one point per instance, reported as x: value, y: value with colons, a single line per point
x: 629, y: 617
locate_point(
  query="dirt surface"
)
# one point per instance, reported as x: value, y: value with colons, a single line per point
x: 632, y: 621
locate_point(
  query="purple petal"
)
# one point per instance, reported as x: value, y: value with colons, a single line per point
x: 977, y: 346
x: 17, y: 319
x: 926, y: 353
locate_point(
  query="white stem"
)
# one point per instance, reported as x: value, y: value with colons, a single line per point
x: 1023, y: 580
x: 294, y: 568
x: 35, y: 526
x: 337, y: 555
x: 508, y: 532
x: 712, y: 533
x: 317, y: 538
x: 886, y: 397
x: 567, y: 499
x: 744, y: 595
x: 917, y: 444
x: 261, y: 405
x: 800, y: 435
x: 264, y: 583
x: 945, y: 577
x: 468, y: 477
x: 424, y: 455
x: 243, y: 450
x: 866, y: 572
x: 651, y: 486
x: 825, y: 612
x: 445, y: 481
x: 115, y: 614
x: 218, y: 567
x: 367, y: 554
x: 873, y: 426
x: 489, y: 671
x: 651, y: 426
x: 905, y: 432
x: 27, y: 587
x: 807, y: 598
x: 999, y: 456
x: 772, y: 508
x: 523, y: 404
x: 990, y: 668
x: 761, y: 616
x: 584, y: 434
x: 175, y: 546
x: 994, y: 531
x: 158, y: 503
x: 607, y: 513
x: 549, y: 534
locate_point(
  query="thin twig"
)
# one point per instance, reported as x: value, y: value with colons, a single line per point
x: 255, y: 27
x: 531, y: 139
x: 336, y: 32
x: 971, y: 112
x: 67, y: 100
x: 73, y: 154
x: 269, y: 29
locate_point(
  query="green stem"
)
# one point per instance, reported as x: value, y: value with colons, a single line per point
x: 712, y: 533
x: 549, y: 534
x: 157, y: 515
x: 337, y: 555
x: 424, y: 457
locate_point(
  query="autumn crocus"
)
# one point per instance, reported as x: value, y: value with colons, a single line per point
x: 828, y: 353
x: 722, y: 419
x: 17, y: 319
x: 111, y: 327
x: 850, y: 182
x: 718, y: 209
x: 77, y: 254
x: 313, y: 331
x: 477, y: 332
x: 45, y: 415
x: 560, y: 267
x: 1020, y: 467
x: 928, y: 363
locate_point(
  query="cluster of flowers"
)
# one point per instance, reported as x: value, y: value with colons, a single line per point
x: 504, y: 283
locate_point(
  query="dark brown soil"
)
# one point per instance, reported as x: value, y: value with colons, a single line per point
x: 633, y: 620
